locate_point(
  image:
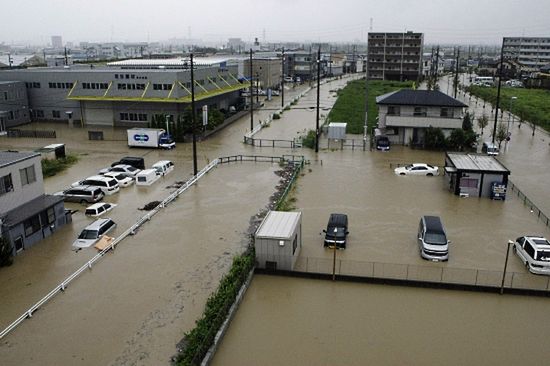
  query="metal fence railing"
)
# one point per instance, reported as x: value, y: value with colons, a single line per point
x: 424, y: 273
x: 527, y: 202
x: 45, y: 134
x: 261, y: 158
x: 292, y: 144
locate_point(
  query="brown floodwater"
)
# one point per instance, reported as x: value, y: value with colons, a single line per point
x: 291, y: 321
x: 135, y: 305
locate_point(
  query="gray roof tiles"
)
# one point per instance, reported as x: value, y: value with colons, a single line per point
x: 12, y: 157
x: 430, y: 98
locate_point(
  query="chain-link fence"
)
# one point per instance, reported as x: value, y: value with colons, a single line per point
x: 423, y: 273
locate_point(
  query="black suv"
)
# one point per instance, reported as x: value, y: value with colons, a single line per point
x: 135, y: 161
x: 337, y: 231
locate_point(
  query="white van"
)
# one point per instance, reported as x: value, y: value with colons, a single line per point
x: 147, y: 177
x: 163, y: 167
x: 99, y: 209
x: 107, y: 185
x: 489, y: 148
x: 93, y: 232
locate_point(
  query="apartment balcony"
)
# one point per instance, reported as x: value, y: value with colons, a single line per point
x: 423, y: 121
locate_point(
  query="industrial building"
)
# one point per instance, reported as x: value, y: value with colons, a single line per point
x: 395, y: 56
x: 14, y: 106
x: 267, y: 70
x: 127, y: 93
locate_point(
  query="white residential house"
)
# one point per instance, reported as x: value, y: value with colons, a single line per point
x: 27, y: 215
x: 404, y: 115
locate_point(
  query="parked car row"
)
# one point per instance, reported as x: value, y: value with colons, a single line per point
x: 93, y: 189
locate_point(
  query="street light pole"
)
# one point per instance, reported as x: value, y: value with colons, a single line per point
x: 498, y: 89
x: 334, y: 257
x: 505, y: 265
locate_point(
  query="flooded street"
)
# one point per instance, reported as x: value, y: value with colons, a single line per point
x: 136, y: 303
x: 291, y: 321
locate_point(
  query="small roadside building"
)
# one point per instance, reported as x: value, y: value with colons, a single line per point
x: 475, y: 175
x: 278, y: 240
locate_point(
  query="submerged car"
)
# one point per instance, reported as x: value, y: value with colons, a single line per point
x: 417, y: 169
x: 122, y: 179
x: 534, y: 252
x: 93, y: 232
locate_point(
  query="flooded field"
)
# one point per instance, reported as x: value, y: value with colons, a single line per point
x: 290, y: 321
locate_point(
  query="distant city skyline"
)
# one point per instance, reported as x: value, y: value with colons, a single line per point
x: 348, y: 21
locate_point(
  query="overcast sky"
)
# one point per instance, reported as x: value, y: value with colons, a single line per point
x: 441, y: 21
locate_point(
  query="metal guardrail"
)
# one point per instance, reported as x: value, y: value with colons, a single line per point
x: 261, y: 158
x: 88, y: 265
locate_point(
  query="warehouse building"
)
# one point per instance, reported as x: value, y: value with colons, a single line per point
x: 127, y: 93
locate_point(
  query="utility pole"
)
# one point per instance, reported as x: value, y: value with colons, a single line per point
x: 498, y: 89
x: 193, y: 118
x: 283, y: 78
x: 66, y: 58
x: 10, y: 62
x: 318, y: 99
x: 365, y: 127
x: 330, y: 61
x: 456, y: 71
x: 251, y: 96
x: 436, y: 62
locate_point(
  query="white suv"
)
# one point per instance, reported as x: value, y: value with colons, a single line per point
x: 107, y: 185
x: 534, y: 251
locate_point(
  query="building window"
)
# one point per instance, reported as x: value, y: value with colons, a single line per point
x: 32, y: 225
x: 394, y: 111
x: 6, y: 184
x: 28, y: 175
x: 420, y: 112
x: 446, y: 112
x: 56, y: 114
x: 5, y: 95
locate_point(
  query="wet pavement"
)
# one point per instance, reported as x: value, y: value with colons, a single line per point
x: 292, y: 321
x: 136, y: 303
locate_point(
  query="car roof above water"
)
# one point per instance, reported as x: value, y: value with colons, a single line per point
x: 434, y: 224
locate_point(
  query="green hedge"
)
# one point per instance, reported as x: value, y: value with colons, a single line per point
x: 201, y: 338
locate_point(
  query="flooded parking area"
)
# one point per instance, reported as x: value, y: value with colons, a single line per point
x: 290, y: 321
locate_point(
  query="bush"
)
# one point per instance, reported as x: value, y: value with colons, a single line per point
x: 435, y: 139
x: 276, y: 116
x: 309, y: 139
x: 51, y: 167
x: 217, y: 306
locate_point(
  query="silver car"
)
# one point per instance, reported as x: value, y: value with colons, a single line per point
x: 81, y: 194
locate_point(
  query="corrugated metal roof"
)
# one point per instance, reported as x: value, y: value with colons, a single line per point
x: 31, y: 208
x: 476, y: 162
x: 279, y: 225
x: 419, y: 98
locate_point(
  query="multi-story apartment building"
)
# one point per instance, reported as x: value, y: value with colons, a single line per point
x: 27, y: 215
x: 529, y: 51
x: 14, y: 106
x: 127, y: 93
x: 395, y: 56
x: 301, y: 64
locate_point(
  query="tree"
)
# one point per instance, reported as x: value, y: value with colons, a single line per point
x: 434, y: 138
x: 467, y: 122
x: 482, y: 122
x: 6, y: 253
x: 501, y: 134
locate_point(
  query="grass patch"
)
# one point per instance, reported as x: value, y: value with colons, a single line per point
x: 531, y: 105
x: 51, y: 167
x: 350, y: 105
